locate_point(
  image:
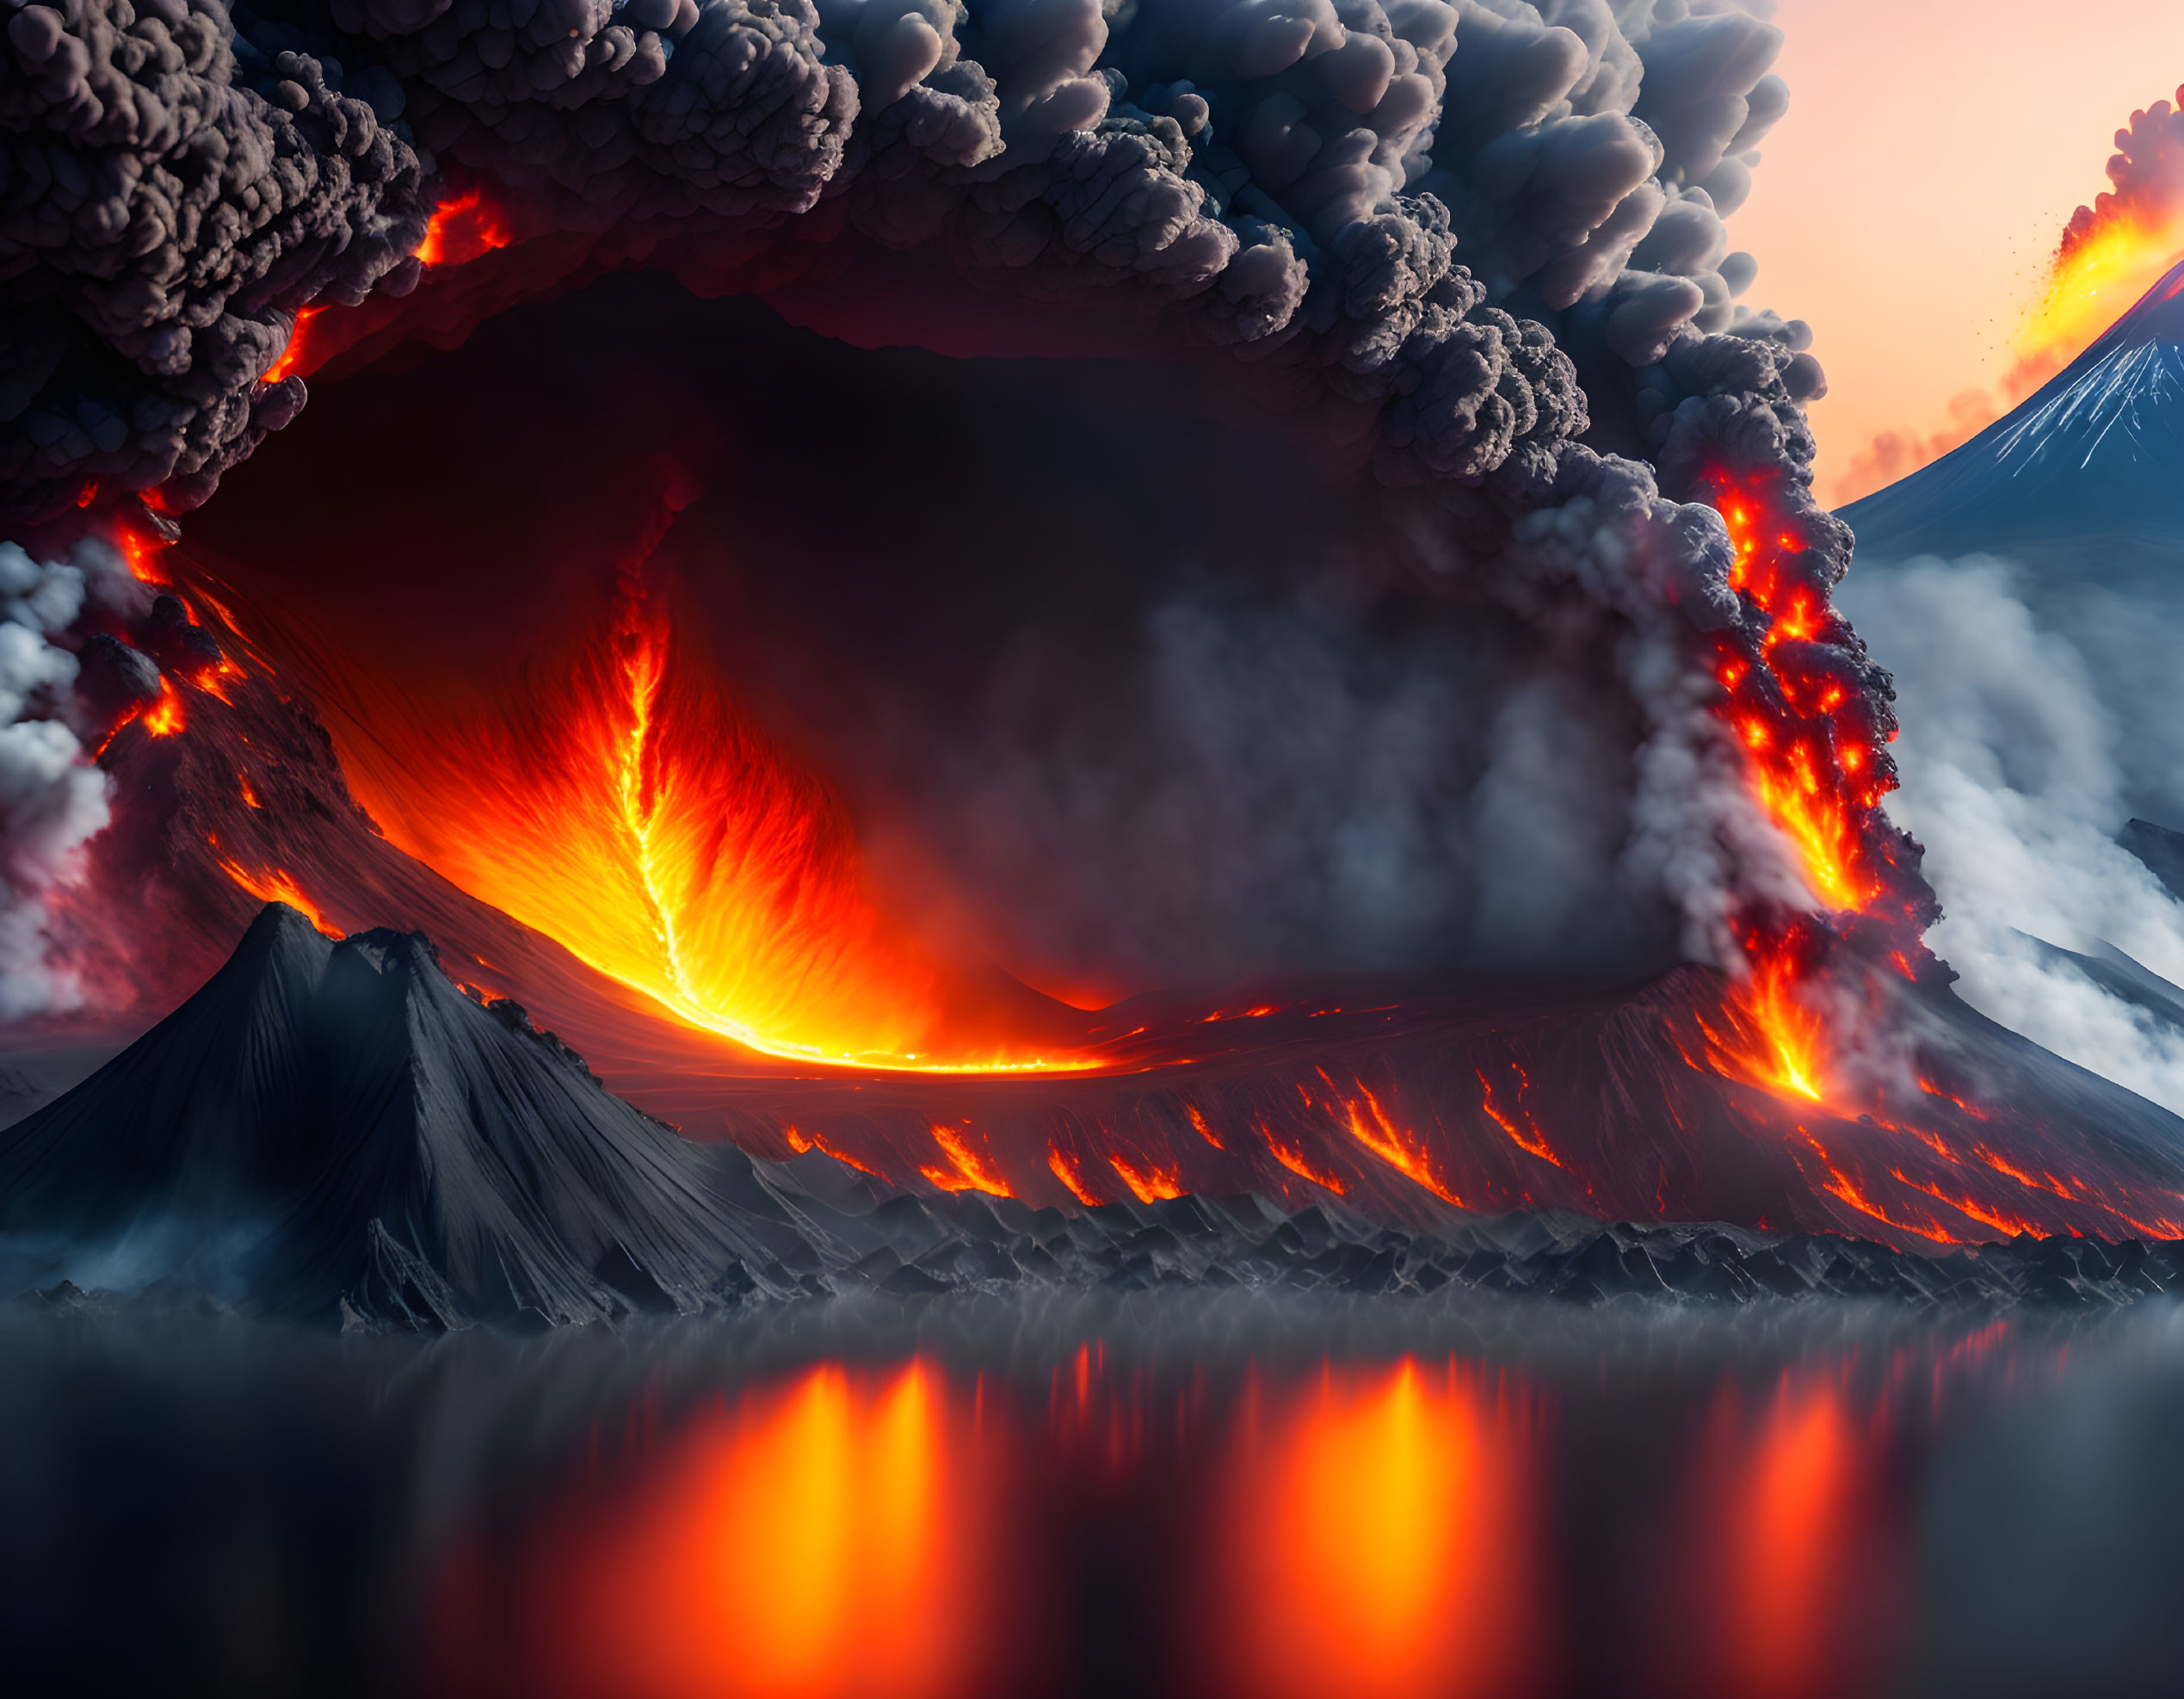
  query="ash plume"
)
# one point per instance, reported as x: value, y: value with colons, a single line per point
x: 1472, y: 254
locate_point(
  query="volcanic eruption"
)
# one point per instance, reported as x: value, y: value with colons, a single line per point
x: 827, y: 524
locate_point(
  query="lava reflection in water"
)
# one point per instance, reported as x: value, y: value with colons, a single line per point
x: 1091, y: 1521
x: 1792, y: 1555
x: 1380, y: 1543
x: 826, y: 1536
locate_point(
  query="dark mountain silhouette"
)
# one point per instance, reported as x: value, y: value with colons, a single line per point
x: 393, y: 1150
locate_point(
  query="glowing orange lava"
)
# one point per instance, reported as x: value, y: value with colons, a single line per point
x: 1066, y: 1170
x: 1298, y: 1164
x: 625, y: 808
x: 142, y: 554
x: 969, y: 1169
x: 1526, y: 1136
x: 2098, y: 276
x: 277, y: 886
x: 1819, y: 770
x: 1777, y: 1040
x: 1151, y: 1184
x: 292, y: 356
x: 463, y: 229
x: 1368, y: 1122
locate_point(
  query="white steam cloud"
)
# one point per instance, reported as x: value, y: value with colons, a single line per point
x: 52, y: 800
x: 2034, y: 730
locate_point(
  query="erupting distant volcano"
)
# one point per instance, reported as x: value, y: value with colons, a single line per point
x: 2086, y: 466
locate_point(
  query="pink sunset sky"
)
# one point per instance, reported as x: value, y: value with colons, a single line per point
x: 1908, y: 204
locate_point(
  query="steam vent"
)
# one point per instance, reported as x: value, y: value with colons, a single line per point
x: 925, y: 849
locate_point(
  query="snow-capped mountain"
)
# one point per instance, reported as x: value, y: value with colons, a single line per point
x: 2096, y: 454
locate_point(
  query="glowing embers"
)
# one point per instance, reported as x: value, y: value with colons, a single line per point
x: 1380, y: 1541
x: 1817, y: 770
x: 1814, y: 745
x: 463, y: 229
x: 624, y: 806
x: 820, y: 1537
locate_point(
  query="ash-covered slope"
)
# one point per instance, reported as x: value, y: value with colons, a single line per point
x: 1636, y: 1103
x: 335, y: 1132
x: 335, y: 1129
x: 2093, y: 455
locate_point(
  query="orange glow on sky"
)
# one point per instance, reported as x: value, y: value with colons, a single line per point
x: 1909, y: 204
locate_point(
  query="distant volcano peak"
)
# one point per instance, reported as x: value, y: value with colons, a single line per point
x: 2095, y: 453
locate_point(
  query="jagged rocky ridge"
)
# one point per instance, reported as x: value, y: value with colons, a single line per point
x: 335, y: 1132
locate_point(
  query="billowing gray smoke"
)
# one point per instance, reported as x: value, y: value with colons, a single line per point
x: 1285, y: 174
x: 1474, y: 249
x: 173, y: 196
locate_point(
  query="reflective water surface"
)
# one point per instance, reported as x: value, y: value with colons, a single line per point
x: 1205, y: 1495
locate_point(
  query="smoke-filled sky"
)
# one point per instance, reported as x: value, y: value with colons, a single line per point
x: 1934, y: 152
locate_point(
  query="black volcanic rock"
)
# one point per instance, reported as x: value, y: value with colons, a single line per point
x: 113, y: 677
x: 335, y: 1132
x: 173, y: 639
x: 393, y: 1152
x: 2160, y: 849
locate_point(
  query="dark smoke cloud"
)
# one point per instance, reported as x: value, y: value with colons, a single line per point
x: 1473, y: 247
x: 1282, y: 175
x: 173, y: 197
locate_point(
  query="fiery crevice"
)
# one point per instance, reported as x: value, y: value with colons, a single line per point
x: 1819, y: 768
x: 626, y: 807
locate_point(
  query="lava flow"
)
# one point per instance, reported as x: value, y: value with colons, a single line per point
x: 630, y: 811
x: 1817, y: 753
x: 463, y: 227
